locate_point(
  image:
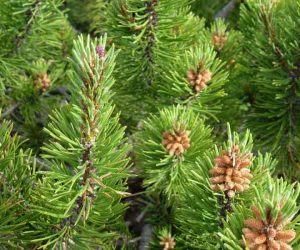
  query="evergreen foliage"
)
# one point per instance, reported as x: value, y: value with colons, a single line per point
x: 164, y: 170
x: 70, y: 178
x: 271, y: 58
x: 152, y: 34
x: 16, y: 180
x: 80, y: 194
x: 201, y: 213
x: 33, y: 59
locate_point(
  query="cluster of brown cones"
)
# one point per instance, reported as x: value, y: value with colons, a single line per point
x: 219, y: 39
x: 42, y: 82
x: 199, y: 78
x: 231, y: 173
x: 267, y: 234
x: 177, y: 142
x: 168, y: 242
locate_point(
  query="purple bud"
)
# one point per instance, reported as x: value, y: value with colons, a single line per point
x: 100, y: 50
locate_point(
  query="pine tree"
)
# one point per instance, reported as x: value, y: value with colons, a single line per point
x: 78, y: 199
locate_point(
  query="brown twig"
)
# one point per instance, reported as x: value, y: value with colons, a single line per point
x: 10, y: 110
x: 227, y: 9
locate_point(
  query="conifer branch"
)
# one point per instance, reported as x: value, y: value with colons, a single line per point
x: 293, y: 74
x: 226, y: 208
x: 10, y: 110
x: 31, y: 16
x: 150, y: 37
x: 89, y: 132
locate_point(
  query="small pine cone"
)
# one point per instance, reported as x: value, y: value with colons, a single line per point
x: 168, y: 242
x: 198, y: 79
x: 42, y: 82
x: 100, y: 51
x: 176, y: 143
x: 219, y: 39
x: 235, y: 179
x: 268, y: 234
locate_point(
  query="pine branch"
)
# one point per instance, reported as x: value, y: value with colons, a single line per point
x: 226, y: 208
x: 150, y: 37
x: 31, y: 15
x: 294, y: 75
x: 10, y: 110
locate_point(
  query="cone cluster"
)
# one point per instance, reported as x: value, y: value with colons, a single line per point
x: 42, y: 82
x: 219, y: 39
x: 231, y: 173
x: 198, y: 79
x: 168, y: 242
x: 267, y: 234
x: 177, y: 142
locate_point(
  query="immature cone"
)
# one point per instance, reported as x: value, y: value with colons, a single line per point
x: 267, y: 234
x: 198, y: 79
x: 42, y: 82
x: 231, y: 173
x: 219, y: 39
x: 177, y: 142
x: 100, y: 51
x: 168, y: 242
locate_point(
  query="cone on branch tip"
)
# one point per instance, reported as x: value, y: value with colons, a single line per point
x: 168, y: 242
x: 177, y: 142
x: 42, y: 82
x: 231, y: 173
x: 199, y: 78
x: 219, y: 39
x: 267, y: 234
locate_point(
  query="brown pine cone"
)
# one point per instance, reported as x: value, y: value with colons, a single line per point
x: 176, y: 143
x: 168, y: 243
x: 198, y: 79
x: 266, y: 234
x: 219, y: 39
x: 231, y: 173
x: 42, y: 82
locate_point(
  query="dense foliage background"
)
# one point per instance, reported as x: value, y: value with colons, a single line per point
x: 149, y: 124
